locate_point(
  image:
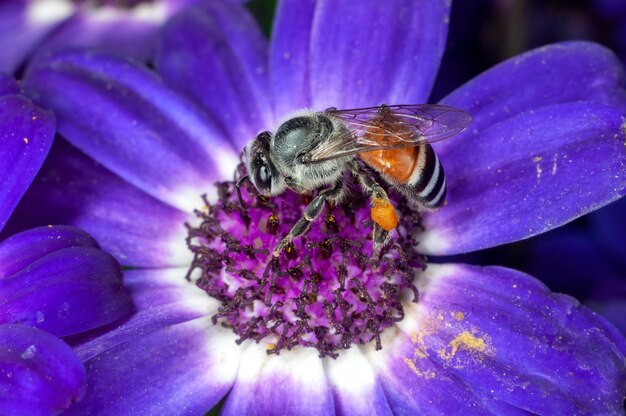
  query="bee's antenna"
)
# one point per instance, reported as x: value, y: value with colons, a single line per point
x: 240, y: 182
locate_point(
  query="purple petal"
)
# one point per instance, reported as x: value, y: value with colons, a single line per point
x: 124, y: 117
x: 289, y: 55
x: 162, y: 298
x: 24, y: 248
x: 181, y: 369
x: 23, y: 24
x: 136, y: 228
x: 218, y: 55
x: 558, y: 73
x: 356, y: 390
x: 413, y: 385
x: 528, y: 174
x: 378, y: 52
x: 292, y: 383
x: 66, y: 292
x: 492, y: 341
x: 39, y: 373
x: 26, y: 134
x: 8, y: 85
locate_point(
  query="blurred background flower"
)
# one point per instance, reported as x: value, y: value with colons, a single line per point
x: 127, y: 27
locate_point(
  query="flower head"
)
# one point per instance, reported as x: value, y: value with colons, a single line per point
x: 327, y: 291
x: 145, y: 146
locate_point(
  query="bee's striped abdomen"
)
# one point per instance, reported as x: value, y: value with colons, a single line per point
x: 427, y: 183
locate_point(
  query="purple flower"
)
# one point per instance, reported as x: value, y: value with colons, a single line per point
x: 127, y: 28
x: 545, y: 147
x: 54, y: 280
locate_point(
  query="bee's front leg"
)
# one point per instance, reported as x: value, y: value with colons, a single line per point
x: 310, y: 213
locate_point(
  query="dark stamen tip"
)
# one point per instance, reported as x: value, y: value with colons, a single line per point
x: 331, y: 224
x: 272, y: 224
x: 290, y: 251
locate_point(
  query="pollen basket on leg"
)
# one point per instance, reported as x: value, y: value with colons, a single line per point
x: 384, y: 214
x: 324, y: 291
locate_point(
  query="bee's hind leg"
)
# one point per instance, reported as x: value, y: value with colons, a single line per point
x: 383, y: 213
x: 381, y: 238
x: 310, y: 213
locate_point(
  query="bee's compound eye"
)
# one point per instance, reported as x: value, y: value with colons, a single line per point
x: 263, y: 178
x: 264, y: 136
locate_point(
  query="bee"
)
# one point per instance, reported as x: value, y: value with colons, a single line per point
x: 312, y: 150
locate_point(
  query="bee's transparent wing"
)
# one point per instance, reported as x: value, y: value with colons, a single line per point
x: 390, y: 127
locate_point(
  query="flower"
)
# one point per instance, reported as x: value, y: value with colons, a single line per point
x: 54, y: 280
x: 127, y: 28
x: 546, y: 146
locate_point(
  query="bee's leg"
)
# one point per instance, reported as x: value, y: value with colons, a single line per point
x: 383, y: 213
x: 239, y: 184
x: 310, y: 213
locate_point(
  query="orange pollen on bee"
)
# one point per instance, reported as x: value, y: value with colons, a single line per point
x: 384, y: 214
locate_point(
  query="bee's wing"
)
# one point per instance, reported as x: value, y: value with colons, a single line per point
x: 389, y: 127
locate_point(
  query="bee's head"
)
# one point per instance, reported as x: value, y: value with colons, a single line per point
x: 263, y: 173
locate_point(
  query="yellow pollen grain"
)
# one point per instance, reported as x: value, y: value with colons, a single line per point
x: 271, y: 346
x: 537, y: 159
x: 418, y: 353
x: 465, y: 341
x: 459, y: 316
x: 26, y: 140
x: 429, y: 375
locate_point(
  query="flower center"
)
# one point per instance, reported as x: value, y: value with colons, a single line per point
x: 326, y: 290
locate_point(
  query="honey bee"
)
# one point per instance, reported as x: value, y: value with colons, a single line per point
x: 315, y: 149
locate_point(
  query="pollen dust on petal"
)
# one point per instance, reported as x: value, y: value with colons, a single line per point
x: 433, y: 327
x: 537, y: 161
x: 466, y: 341
x: 427, y: 374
